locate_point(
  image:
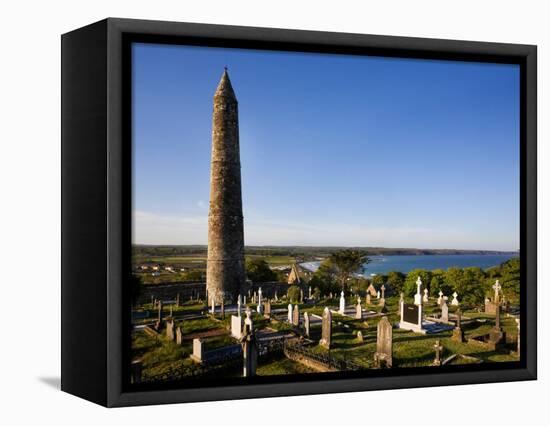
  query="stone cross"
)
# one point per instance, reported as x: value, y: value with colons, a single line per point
x: 383, y: 288
x: 290, y: 313
x: 418, y: 295
x: 384, y: 344
x: 426, y: 299
x: 458, y: 334
x: 497, y: 287
x: 455, y: 302
x: 306, y: 324
x: 326, y: 333
x: 250, y: 347
x: 342, y: 303
x: 440, y: 298
x: 296, y: 316
x: 438, y: 348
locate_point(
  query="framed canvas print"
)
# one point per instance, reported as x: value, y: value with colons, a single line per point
x: 253, y: 212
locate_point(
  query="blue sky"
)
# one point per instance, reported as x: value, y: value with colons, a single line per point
x: 335, y: 150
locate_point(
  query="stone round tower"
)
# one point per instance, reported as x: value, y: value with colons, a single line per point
x: 225, y: 273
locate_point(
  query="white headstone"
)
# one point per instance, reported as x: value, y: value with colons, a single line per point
x: 236, y: 326
x: 454, y: 302
x: 342, y: 303
x: 260, y: 306
x: 426, y: 299
x: 290, y: 313
x: 418, y: 295
x: 440, y: 298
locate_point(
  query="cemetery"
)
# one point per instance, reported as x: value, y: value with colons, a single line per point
x: 269, y: 333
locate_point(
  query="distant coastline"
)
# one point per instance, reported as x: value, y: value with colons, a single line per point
x: 321, y: 251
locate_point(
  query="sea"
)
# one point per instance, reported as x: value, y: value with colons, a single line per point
x: 406, y: 263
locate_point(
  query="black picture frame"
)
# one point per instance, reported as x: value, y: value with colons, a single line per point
x: 96, y: 206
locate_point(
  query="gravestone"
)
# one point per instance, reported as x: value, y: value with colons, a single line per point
x: 254, y: 297
x: 411, y: 317
x: 383, y: 289
x: 368, y: 299
x: 239, y: 305
x: 197, y: 350
x: 401, y: 301
x: 326, y: 332
x: 342, y: 303
x: 236, y: 326
x: 358, y: 309
x: 179, y: 336
x: 438, y: 349
x: 426, y: 298
x: 360, y: 336
x: 290, y: 313
x: 496, y: 335
x: 444, y: 312
x: 378, y: 294
x: 455, y: 302
x: 276, y: 296
x: 383, y: 356
x: 170, y: 334
x: 249, y: 347
x: 158, y: 325
x: 440, y: 298
x: 296, y: 316
x: 260, y: 307
x: 306, y: 324
x: 458, y: 333
x: 418, y: 295
x: 309, y: 292
x: 371, y: 290
x: 301, y: 296
x: 267, y: 309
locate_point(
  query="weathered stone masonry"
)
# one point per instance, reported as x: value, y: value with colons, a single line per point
x: 225, y: 272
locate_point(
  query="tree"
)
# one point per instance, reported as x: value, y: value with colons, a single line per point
x: 346, y: 263
x: 293, y: 293
x: 410, y: 286
x: 378, y: 280
x: 259, y: 271
x: 136, y: 285
x: 396, y: 280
